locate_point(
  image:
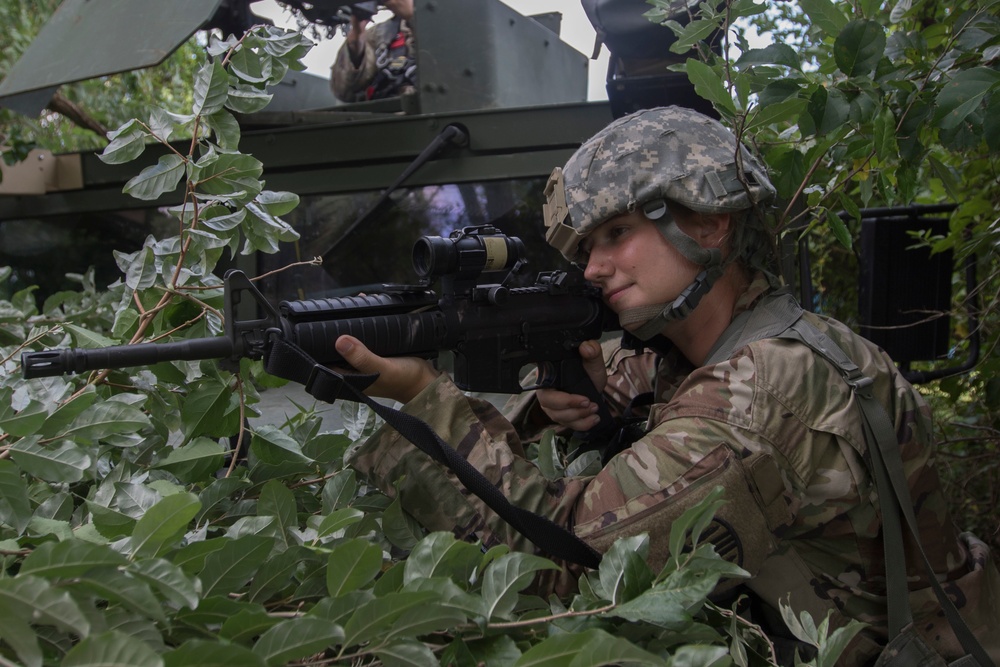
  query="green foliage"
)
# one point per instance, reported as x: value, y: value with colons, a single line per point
x: 869, y: 104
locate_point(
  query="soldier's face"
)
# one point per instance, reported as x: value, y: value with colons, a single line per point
x: 634, y: 265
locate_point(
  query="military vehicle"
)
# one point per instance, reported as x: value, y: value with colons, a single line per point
x: 501, y: 100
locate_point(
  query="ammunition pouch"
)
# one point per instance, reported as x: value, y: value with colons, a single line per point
x: 742, y: 531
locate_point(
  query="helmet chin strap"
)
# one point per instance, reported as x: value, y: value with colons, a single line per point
x: 653, y: 318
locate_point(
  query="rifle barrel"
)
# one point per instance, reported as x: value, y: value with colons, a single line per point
x: 48, y: 363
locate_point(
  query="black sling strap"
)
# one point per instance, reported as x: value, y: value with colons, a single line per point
x: 286, y: 360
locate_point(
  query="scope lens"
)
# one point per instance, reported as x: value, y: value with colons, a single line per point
x: 467, y: 255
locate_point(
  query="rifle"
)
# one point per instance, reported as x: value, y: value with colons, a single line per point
x: 492, y: 329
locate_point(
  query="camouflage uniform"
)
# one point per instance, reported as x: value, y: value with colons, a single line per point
x: 386, y: 68
x: 773, y: 418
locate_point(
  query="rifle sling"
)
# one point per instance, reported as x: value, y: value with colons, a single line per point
x: 286, y: 360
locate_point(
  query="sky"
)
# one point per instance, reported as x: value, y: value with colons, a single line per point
x: 575, y: 30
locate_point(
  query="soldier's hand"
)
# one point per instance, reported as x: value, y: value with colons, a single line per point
x: 573, y: 410
x: 400, y: 378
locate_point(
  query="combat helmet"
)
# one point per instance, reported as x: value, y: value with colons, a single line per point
x: 640, y: 161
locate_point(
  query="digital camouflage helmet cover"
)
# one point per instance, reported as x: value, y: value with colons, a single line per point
x: 643, y: 160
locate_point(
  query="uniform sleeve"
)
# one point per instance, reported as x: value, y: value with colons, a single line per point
x: 347, y: 80
x: 665, y: 461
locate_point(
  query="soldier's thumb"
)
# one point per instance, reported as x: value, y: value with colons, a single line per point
x: 357, y: 355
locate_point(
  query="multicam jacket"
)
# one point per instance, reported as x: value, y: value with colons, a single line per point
x: 772, y: 397
x: 387, y: 67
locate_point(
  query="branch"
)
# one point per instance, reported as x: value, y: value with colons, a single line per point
x: 64, y: 107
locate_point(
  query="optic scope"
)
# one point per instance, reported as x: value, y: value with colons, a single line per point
x: 467, y: 253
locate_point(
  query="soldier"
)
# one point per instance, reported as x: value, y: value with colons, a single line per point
x: 666, y: 209
x: 377, y: 62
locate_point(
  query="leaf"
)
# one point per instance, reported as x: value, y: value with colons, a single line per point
x: 441, y: 555
x: 211, y: 654
x: 506, y: 577
x: 709, y: 85
x: 141, y: 271
x: 406, y: 653
x: 250, y: 66
x: 194, y: 461
x: 207, y: 410
x: 211, y: 86
x: 775, y: 113
x: 278, y: 203
x: 278, y: 501
x: 170, y: 580
x: 426, y: 619
x: 825, y: 14
x: 26, y: 421
x: 111, y: 649
x: 839, y: 229
x: 34, y: 598
x: 228, y: 173
x: 116, y: 587
x: 375, y: 617
x: 124, y: 147
x: 157, y: 179
x: 623, y: 570
x: 245, y: 99
x: 231, y: 567
x: 859, y: 47
x: 352, y: 565
x: 964, y: 94
x: 336, y: 521
x: 297, y: 638
x: 829, y: 109
x: 399, y: 527
x: 104, y: 419
x: 669, y: 603
x: 593, y: 647
x: 72, y: 558
x: 339, y: 490
x: 15, y: 509
x: 774, y: 54
x: 272, y: 445
x: 20, y: 636
x: 164, y: 524
x: 59, y: 462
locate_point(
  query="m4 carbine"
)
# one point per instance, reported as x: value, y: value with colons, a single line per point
x: 493, y: 330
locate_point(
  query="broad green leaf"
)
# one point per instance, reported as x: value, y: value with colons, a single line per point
x: 775, y: 113
x: 15, y: 509
x: 157, y: 179
x: 250, y: 66
x: 228, y: 173
x: 426, y: 619
x: 194, y: 461
x: 859, y: 47
x: 110, y: 523
x: 272, y: 445
x: 773, y: 54
x: 141, y: 271
x: 548, y: 457
x: 277, y: 572
x: 225, y: 223
x: 247, y: 625
x: 163, y: 123
x: 59, y: 462
x: 441, y: 555
x: 20, y: 636
x: 164, y: 524
x: 25, y: 422
x: 839, y: 229
x: 231, y: 567
x: 964, y: 94
x: 399, y: 526
x: 177, y: 587
x: 407, y: 653
x: 64, y: 415
x: 506, y: 577
x: 64, y: 560
x: 709, y: 85
x: 278, y: 501
x: 669, y: 604
x: 116, y: 587
x: 623, y: 570
x: 829, y: 110
x: 226, y: 129
x: 219, y: 495
x: 124, y: 147
x: 86, y: 338
x: 208, y: 410
x: 112, y: 649
x: 692, y: 33
x: 246, y: 99
x: 211, y: 654
x: 107, y: 418
x: 335, y: 521
x: 297, y: 638
x: 591, y: 649
x: 375, y: 618
x: 210, y: 89
x: 825, y: 14
x: 30, y: 597
x: 339, y: 490
x: 278, y: 203
x: 352, y: 565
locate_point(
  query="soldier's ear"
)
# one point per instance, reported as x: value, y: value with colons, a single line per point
x: 710, y: 230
